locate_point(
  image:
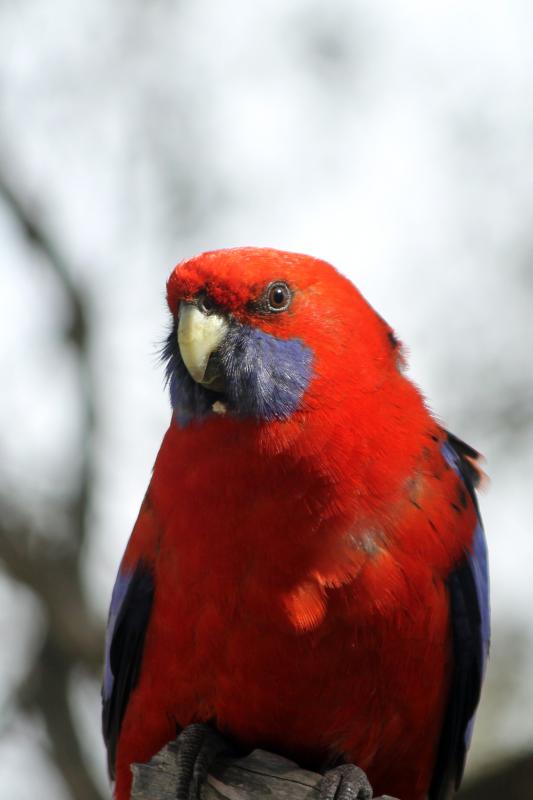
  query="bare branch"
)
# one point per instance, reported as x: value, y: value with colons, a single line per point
x: 52, y: 574
x: 253, y: 777
x: 78, y: 334
x: 46, y: 690
x: 263, y: 774
x: 38, y: 237
x: 73, y: 638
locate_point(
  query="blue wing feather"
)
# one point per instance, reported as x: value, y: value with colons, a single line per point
x: 120, y: 589
x: 468, y: 587
x: 129, y: 614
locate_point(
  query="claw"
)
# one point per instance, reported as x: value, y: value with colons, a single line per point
x: 199, y: 745
x: 346, y: 782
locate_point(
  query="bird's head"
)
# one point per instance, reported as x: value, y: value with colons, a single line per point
x: 264, y: 334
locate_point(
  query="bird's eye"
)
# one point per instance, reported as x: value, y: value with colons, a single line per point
x: 278, y: 296
x: 206, y: 304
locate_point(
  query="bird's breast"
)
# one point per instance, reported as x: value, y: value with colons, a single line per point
x: 285, y: 612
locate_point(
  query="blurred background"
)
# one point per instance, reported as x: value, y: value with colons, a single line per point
x: 392, y: 139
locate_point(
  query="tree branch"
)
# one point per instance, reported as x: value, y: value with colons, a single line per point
x: 72, y: 638
x: 52, y: 574
x: 78, y: 334
x: 263, y: 774
x: 47, y: 690
x: 253, y: 777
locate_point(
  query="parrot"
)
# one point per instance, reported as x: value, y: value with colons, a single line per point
x: 308, y: 571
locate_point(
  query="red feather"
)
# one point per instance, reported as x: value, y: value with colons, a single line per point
x: 300, y: 566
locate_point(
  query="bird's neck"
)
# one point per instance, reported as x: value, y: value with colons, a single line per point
x: 344, y: 463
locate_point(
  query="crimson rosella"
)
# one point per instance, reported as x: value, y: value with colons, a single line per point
x: 308, y: 571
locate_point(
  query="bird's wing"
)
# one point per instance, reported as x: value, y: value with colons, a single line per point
x: 470, y: 621
x: 129, y: 615
x: 128, y: 620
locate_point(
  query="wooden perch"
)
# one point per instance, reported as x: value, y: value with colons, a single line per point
x: 255, y: 777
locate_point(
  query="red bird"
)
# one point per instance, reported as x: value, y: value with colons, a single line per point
x: 308, y: 571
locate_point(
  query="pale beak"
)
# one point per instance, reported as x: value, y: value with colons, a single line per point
x: 199, y: 335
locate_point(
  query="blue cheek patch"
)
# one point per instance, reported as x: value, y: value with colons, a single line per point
x: 265, y: 377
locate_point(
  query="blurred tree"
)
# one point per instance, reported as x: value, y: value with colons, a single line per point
x: 72, y: 638
x: 394, y: 141
x: 50, y: 566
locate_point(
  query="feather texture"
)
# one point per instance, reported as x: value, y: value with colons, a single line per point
x: 311, y: 570
x: 469, y: 609
x: 130, y: 611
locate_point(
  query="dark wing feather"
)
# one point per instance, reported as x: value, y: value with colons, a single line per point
x: 129, y: 614
x: 469, y: 612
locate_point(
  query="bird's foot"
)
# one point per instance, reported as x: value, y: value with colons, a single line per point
x: 199, y: 745
x: 346, y: 782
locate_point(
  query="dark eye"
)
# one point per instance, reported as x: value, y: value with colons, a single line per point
x: 278, y: 296
x: 206, y: 304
